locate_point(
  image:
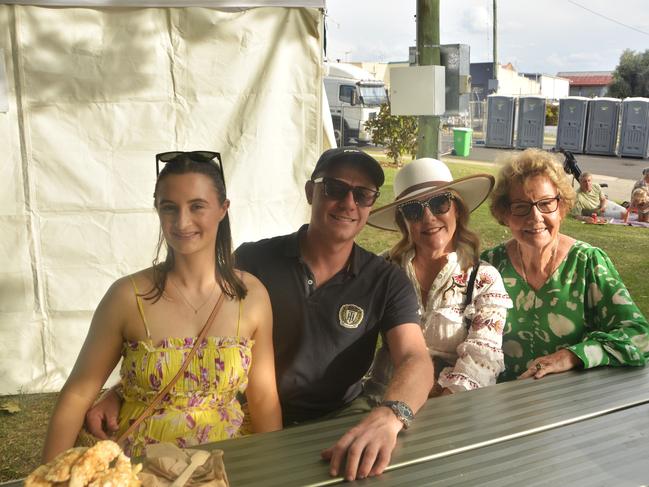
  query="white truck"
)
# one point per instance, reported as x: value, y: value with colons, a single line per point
x: 355, y: 97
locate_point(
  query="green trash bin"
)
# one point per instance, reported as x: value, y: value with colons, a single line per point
x: 462, y: 141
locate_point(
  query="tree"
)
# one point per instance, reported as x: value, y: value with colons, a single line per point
x: 631, y: 76
x: 397, y: 133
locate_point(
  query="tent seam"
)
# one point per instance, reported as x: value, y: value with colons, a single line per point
x: 32, y: 228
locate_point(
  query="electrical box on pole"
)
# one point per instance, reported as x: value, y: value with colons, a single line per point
x: 455, y: 58
x: 417, y: 90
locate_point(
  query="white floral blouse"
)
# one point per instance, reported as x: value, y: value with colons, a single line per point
x: 466, y: 340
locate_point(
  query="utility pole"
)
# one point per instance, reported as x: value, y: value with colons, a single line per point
x: 428, y: 54
x: 495, y: 46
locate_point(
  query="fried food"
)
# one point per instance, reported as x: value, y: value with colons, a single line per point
x: 37, y: 477
x: 121, y: 475
x: 61, y: 465
x: 102, y: 465
x: 93, y: 462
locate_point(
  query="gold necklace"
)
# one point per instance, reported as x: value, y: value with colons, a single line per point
x: 520, y: 256
x: 186, y: 301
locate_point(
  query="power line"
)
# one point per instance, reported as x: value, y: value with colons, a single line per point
x: 609, y: 18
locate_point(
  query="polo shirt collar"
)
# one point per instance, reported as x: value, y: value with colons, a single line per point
x: 292, y: 249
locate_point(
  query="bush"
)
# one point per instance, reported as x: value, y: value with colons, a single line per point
x: 551, y: 114
x: 398, y: 134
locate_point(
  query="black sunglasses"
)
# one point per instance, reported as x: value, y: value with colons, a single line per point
x: 195, y: 156
x: 414, y: 210
x: 338, y: 190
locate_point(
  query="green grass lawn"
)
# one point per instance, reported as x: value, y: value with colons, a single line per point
x: 22, y: 434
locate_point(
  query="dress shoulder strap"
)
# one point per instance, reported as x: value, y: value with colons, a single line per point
x: 239, y: 318
x: 140, y: 307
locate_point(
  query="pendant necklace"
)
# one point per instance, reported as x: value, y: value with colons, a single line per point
x: 520, y: 256
x: 194, y: 309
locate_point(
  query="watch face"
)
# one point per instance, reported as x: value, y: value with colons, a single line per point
x: 401, y: 410
x: 404, y: 410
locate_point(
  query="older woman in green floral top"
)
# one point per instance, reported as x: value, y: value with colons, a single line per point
x: 571, y: 309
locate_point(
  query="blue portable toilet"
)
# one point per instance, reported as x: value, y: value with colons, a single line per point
x: 634, y: 133
x: 571, y: 129
x: 531, y: 122
x: 500, y: 121
x: 601, y: 132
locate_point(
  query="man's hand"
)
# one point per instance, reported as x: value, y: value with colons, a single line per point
x: 551, y: 364
x: 367, y: 447
x: 101, y: 419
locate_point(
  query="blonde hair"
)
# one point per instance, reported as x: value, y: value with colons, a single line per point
x: 465, y: 241
x: 518, y: 170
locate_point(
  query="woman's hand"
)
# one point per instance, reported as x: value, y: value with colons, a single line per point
x: 551, y: 364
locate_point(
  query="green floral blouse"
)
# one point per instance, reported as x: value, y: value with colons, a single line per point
x: 584, y: 307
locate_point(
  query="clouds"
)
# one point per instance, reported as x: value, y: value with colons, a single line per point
x: 537, y: 36
x: 477, y: 20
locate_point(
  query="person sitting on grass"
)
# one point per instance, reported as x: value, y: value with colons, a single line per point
x: 151, y: 319
x: 643, y: 182
x: 590, y: 199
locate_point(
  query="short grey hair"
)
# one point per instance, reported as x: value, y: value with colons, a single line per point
x: 584, y: 175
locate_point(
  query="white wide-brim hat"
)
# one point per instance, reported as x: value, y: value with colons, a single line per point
x: 424, y: 177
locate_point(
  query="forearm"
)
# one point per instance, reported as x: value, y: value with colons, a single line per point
x: 614, y: 347
x: 412, y: 381
x: 65, y: 423
x: 480, y: 355
x: 265, y: 415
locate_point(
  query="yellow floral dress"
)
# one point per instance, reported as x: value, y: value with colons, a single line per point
x: 201, y: 407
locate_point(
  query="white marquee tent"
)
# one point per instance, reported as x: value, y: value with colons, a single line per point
x: 89, y: 92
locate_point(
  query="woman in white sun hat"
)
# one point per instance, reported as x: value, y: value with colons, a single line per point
x: 463, y: 302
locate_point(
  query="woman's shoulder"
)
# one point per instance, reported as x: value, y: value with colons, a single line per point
x: 589, y: 256
x: 132, y: 283
x: 495, y: 254
x: 581, y: 249
x: 253, y: 285
x: 487, y: 269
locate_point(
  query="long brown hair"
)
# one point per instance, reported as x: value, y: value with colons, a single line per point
x: 231, y: 284
x: 465, y: 241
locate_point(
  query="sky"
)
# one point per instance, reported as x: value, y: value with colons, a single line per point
x: 540, y: 36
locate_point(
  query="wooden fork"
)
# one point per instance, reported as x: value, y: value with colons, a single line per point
x: 198, y: 459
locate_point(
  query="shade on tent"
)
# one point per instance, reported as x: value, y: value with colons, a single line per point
x: 93, y: 90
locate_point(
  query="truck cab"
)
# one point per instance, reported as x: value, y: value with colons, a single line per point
x: 355, y: 97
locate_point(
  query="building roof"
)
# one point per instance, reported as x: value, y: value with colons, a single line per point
x: 588, y: 78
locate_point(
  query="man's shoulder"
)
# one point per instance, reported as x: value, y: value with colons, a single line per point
x: 265, y: 244
x: 251, y: 256
x: 382, y: 271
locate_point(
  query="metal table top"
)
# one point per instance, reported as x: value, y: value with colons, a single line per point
x: 446, y: 427
x: 581, y: 427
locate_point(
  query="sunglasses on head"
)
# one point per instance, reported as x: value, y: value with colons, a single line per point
x: 338, y: 190
x: 438, y: 205
x: 195, y: 156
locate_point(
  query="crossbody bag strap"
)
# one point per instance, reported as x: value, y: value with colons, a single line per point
x: 471, y: 284
x: 156, y: 400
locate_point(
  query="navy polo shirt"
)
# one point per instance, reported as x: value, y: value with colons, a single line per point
x: 325, y: 337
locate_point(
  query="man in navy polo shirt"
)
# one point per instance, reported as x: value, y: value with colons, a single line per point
x: 331, y: 299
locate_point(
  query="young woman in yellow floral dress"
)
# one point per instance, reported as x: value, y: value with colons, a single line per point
x: 153, y: 317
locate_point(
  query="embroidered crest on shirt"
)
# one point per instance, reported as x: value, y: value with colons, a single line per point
x: 350, y: 315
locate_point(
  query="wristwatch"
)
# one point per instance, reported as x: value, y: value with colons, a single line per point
x: 401, y: 410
